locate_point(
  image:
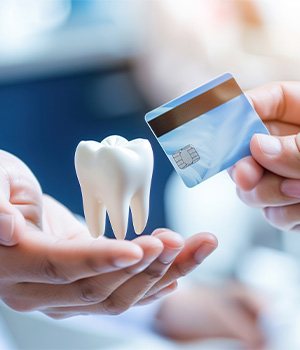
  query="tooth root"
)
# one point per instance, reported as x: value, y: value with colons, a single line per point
x: 118, y: 216
x: 139, y: 210
x: 95, y: 215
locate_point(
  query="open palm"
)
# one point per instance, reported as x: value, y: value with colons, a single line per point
x: 52, y: 264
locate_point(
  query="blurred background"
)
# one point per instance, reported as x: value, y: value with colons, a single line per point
x: 74, y: 70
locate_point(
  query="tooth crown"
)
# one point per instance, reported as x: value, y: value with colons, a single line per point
x: 114, y: 175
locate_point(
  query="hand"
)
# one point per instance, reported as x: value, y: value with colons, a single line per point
x: 230, y: 311
x: 270, y: 179
x: 50, y: 262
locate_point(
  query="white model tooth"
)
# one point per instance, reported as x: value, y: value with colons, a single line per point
x: 114, y: 175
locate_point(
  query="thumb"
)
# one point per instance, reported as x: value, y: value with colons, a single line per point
x: 279, y: 155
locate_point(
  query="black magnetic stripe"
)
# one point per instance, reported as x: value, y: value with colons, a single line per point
x: 195, y: 107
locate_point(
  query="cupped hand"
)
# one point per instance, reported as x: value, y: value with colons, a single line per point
x: 270, y: 177
x: 52, y: 264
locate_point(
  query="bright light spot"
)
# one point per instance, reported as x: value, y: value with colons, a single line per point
x: 21, y: 20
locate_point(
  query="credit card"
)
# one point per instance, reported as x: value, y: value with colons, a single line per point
x: 206, y: 130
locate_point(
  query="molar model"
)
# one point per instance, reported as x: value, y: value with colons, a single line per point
x: 115, y: 174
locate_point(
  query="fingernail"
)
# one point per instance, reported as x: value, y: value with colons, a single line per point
x: 125, y: 262
x: 159, y: 230
x: 6, y: 227
x: 167, y: 256
x: 203, y: 252
x: 269, y: 145
x: 291, y: 188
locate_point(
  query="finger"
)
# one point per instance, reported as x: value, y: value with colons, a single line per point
x: 39, y: 258
x: 268, y: 192
x: 277, y: 128
x: 172, y: 242
x: 93, y: 290
x: 132, y: 291
x: 196, y: 249
x: 160, y: 294
x: 277, y: 102
x: 279, y: 155
x: 246, y: 173
x: 60, y: 313
x: 98, y: 289
x: 286, y: 218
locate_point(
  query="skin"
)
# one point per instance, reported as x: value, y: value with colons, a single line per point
x: 272, y: 181
x: 230, y: 311
x: 51, y: 263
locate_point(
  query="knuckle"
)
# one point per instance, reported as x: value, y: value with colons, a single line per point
x: 90, y: 293
x: 92, y: 265
x: 131, y: 271
x: 116, y: 306
x: 53, y: 273
x: 155, y: 273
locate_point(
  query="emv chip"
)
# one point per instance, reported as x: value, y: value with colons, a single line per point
x: 186, y: 157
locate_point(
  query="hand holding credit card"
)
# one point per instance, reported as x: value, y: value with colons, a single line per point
x: 206, y: 130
